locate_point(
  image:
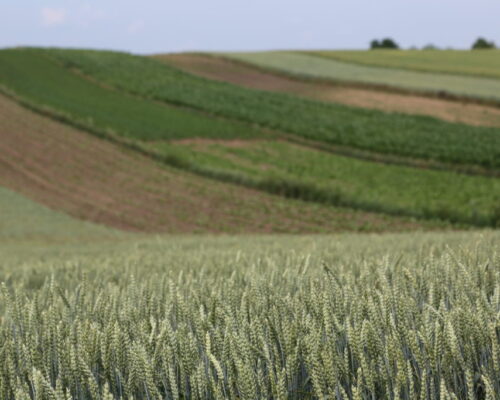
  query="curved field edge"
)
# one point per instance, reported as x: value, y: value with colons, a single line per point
x: 323, y: 177
x: 454, y: 62
x: 91, y: 179
x: 305, y: 65
x: 409, y: 136
x: 250, y: 76
x: 195, y: 324
x: 31, y: 74
x: 283, y: 187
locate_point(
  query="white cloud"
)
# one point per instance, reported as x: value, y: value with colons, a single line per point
x: 53, y: 16
x: 136, y: 26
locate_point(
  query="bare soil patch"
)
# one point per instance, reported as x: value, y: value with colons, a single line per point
x: 91, y: 179
x: 239, y: 74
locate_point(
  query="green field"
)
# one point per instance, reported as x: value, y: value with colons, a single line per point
x: 312, y: 66
x: 24, y: 220
x: 31, y: 75
x: 341, y: 317
x: 411, y: 136
x: 276, y: 167
x: 458, y: 62
x: 310, y: 174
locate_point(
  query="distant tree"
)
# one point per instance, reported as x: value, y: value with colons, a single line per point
x: 482, y: 43
x: 386, y: 43
x: 375, y: 44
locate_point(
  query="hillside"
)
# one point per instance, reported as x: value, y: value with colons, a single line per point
x: 325, y: 154
x: 319, y: 67
x: 121, y: 178
x: 403, y: 135
x: 247, y: 75
x: 458, y: 62
x: 91, y: 179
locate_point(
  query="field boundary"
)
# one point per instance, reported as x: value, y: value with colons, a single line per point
x: 442, y: 94
x: 337, y: 149
x: 317, y: 53
x: 280, y: 187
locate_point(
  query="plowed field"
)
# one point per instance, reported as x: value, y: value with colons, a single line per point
x: 74, y: 172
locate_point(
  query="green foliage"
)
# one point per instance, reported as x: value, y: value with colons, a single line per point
x: 299, y: 172
x: 386, y: 43
x: 412, y: 136
x: 481, y: 44
x: 35, y: 77
x: 291, y: 318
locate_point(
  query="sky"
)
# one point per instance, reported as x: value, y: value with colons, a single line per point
x: 152, y: 26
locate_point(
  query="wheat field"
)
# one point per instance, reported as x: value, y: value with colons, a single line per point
x: 409, y: 316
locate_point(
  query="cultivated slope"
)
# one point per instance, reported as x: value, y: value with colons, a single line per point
x: 404, y: 135
x: 246, y: 75
x: 338, y: 180
x: 458, y: 62
x: 86, y: 177
x: 307, y: 172
x: 308, y: 65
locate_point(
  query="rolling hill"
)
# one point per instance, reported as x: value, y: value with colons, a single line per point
x: 310, y: 65
x: 121, y: 179
x: 160, y: 124
x: 91, y: 179
x: 243, y: 74
x: 457, y: 62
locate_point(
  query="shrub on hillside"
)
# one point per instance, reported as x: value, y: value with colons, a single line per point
x: 482, y: 43
x: 386, y: 43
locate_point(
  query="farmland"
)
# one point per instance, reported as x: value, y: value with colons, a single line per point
x: 409, y: 136
x: 23, y: 220
x: 288, y: 165
x: 139, y: 211
x: 343, y: 317
x: 242, y: 74
x: 32, y: 76
x: 319, y: 67
x: 458, y: 62
x: 315, y: 175
x: 88, y: 178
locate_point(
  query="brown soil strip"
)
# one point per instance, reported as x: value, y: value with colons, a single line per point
x: 240, y: 74
x: 88, y: 178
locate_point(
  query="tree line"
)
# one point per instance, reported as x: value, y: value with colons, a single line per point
x: 388, y: 43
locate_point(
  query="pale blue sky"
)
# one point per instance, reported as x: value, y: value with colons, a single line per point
x: 164, y: 25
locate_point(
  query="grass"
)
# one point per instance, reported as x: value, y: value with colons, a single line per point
x: 410, y: 136
x: 342, y: 317
x: 459, y: 62
x: 300, y: 172
x: 24, y: 220
x: 314, y: 66
x: 33, y: 76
